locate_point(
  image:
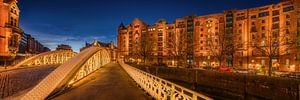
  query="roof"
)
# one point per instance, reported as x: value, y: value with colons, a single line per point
x: 121, y: 26
x: 162, y: 21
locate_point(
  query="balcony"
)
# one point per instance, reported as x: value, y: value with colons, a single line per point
x: 14, y: 28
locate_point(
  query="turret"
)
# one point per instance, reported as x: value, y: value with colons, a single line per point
x: 121, y: 26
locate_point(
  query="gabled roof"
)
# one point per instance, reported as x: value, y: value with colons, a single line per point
x: 137, y: 20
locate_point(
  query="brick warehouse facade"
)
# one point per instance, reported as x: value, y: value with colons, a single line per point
x: 254, y: 38
x: 10, y: 32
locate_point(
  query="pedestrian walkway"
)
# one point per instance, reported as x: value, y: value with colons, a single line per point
x: 110, y: 82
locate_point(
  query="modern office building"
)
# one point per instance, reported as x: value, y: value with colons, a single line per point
x: 28, y: 45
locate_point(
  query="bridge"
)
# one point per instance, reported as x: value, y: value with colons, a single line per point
x: 91, y: 74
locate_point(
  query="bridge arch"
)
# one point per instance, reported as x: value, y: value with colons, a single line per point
x: 76, y: 68
x: 47, y: 58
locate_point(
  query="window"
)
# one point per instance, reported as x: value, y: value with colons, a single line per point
x: 160, y: 54
x: 253, y: 16
x: 263, y: 21
x: 240, y: 31
x: 11, y: 21
x: 216, y: 33
x: 287, y: 31
x: 201, y: 35
x: 275, y: 12
x: 275, y: 26
x: 287, y: 62
x: 263, y: 28
x: 159, y: 44
x: 170, y: 34
x: 181, y: 24
x: 13, y: 41
x: 201, y: 29
x: 286, y: 9
x: 160, y: 39
x: 160, y: 29
x: 15, y: 22
x: 253, y: 23
x: 275, y: 19
x: 160, y: 49
x: 287, y: 23
x: 275, y: 35
x: 253, y: 29
x: 263, y: 14
x: 287, y: 16
x: 136, y: 26
x: 197, y: 23
x: 263, y: 62
x: 160, y: 34
x: 263, y: 35
x: 240, y: 25
x: 240, y: 18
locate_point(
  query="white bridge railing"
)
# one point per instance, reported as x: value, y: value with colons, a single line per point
x: 76, y: 68
x: 161, y: 89
x: 47, y: 58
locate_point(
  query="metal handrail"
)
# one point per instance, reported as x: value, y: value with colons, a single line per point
x: 161, y: 89
x: 51, y: 57
x: 76, y: 68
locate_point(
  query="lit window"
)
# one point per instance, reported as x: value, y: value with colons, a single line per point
x: 286, y: 9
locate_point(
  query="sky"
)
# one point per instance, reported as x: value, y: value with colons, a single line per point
x: 75, y: 22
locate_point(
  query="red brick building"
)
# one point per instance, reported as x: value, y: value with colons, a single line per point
x: 10, y: 32
x: 254, y: 38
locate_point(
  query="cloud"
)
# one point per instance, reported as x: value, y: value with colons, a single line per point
x: 76, y: 41
x: 52, y: 35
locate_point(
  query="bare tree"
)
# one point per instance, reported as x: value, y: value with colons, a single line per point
x: 176, y: 48
x: 145, y: 50
x: 217, y: 47
x: 273, y: 45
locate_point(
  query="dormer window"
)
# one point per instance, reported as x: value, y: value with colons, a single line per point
x: 136, y: 26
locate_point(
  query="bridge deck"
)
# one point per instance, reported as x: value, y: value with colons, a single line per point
x: 110, y: 82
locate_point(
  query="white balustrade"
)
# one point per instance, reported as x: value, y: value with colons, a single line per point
x: 47, y: 58
x: 161, y: 89
x: 76, y: 68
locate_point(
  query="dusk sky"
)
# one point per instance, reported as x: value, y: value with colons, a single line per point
x: 74, y: 22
